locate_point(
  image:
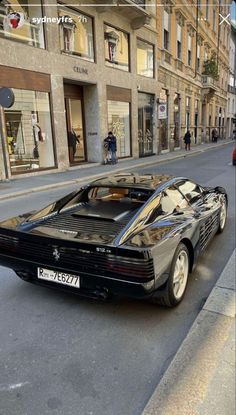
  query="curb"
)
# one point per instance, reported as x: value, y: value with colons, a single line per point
x: 97, y: 176
x: 185, y: 388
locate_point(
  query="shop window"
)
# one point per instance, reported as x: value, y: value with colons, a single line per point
x: 116, y: 48
x: 119, y: 124
x: 29, y: 133
x: 21, y: 22
x: 76, y: 33
x: 145, y: 59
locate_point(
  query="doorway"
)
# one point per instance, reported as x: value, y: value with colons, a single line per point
x: 145, y: 124
x: 75, y: 123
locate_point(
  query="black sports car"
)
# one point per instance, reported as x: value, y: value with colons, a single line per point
x: 127, y: 234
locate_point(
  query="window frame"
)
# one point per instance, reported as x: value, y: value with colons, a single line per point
x: 129, y: 46
x: 154, y: 56
x: 166, y: 31
x: 160, y: 195
x: 189, y: 51
x: 77, y: 54
x: 179, y: 42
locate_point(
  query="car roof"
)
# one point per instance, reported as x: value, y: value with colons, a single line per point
x: 134, y: 180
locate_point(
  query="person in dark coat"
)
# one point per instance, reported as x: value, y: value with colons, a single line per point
x: 187, y: 140
x: 73, y: 139
x: 214, y: 135
x: 105, y: 150
x: 112, y: 147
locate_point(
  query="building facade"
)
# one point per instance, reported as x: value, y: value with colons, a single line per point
x: 133, y: 67
x: 231, y: 111
x: 193, y: 56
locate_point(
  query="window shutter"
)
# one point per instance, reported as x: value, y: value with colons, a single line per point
x: 166, y: 21
x: 198, y: 51
x: 178, y: 32
x: 189, y: 42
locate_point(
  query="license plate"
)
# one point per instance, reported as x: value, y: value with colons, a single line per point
x: 59, y: 277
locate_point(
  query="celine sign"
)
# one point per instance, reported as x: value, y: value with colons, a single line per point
x: 79, y: 69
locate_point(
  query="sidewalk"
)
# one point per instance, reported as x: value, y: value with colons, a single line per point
x: 201, y: 378
x: 84, y: 173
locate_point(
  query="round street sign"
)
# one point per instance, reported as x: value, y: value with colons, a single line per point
x: 7, y: 97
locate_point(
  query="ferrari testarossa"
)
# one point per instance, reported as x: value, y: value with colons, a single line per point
x: 127, y: 234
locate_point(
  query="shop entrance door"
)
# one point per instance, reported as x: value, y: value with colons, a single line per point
x: 75, y: 123
x: 145, y: 124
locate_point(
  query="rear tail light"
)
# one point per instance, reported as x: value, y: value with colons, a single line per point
x: 131, y: 268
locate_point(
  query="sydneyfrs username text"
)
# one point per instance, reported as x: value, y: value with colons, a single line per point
x: 58, y: 20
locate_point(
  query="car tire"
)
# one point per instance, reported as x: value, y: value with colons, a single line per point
x: 178, y: 279
x: 234, y: 162
x: 223, y: 215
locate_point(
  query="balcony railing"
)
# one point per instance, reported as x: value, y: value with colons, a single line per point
x: 209, y: 82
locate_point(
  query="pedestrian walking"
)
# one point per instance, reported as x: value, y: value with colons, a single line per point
x: 73, y: 139
x: 110, y: 141
x: 105, y: 150
x: 187, y: 140
x: 214, y: 135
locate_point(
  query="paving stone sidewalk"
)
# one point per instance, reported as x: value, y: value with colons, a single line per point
x: 201, y: 378
x: 86, y: 172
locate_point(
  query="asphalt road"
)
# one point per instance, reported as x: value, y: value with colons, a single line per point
x: 60, y: 354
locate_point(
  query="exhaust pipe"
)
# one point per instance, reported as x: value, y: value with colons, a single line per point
x: 102, y: 294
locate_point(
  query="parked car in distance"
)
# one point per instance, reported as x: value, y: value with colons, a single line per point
x: 127, y: 234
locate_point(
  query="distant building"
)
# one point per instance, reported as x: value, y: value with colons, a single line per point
x: 231, y: 113
x: 193, y: 48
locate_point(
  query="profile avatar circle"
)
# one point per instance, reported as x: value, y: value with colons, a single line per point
x: 14, y: 20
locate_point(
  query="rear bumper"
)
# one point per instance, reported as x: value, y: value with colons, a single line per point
x: 90, y: 285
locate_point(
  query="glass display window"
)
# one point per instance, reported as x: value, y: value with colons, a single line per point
x: 29, y: 132
x: 119, y: 124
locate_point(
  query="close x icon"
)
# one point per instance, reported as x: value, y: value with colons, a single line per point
x: 224, y: 19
